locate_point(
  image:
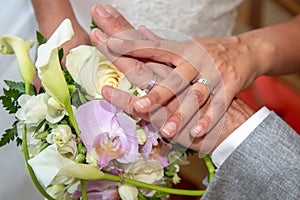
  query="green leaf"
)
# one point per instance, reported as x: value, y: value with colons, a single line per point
x: 93, y: 25
x: 60, y: 54
x: 9, y: 135
x: 40, y: 38
x: 20, y: 86
x: 9, y: 105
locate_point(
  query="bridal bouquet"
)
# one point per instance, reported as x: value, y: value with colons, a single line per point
x: 77, y: 145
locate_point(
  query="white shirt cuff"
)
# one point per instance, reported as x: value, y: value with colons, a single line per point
x: 224, y: 150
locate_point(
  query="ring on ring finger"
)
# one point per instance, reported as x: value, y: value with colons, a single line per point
x: 205, y: 82
x: 151, y: 83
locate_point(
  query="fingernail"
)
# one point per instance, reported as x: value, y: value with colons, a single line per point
x: 106, y: 91
x: 112, y: 11
x: 143, y: 103
x: 101, y: 36
x: 102, y: 12
x: 196, y: 131
x: 116, y: 41
x: 169, y: 128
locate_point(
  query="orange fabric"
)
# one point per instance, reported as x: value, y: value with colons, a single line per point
x: 277, y: 96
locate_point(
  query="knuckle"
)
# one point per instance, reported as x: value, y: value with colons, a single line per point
x: 199, y: 96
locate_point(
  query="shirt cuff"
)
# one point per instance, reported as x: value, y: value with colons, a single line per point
x: 224, y: 150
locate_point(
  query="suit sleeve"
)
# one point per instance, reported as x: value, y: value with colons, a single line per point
x: 265, y: 166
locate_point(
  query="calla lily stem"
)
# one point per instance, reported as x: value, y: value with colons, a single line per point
x: 30, y: 170
x: 152, y: 187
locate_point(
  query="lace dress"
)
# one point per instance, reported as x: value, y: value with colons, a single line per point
x: 190, y: 17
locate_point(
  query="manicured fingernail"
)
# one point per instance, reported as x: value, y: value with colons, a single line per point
x: 196, y: 131
x: 112, y: 11
x: 143, y: 103
x: 169, y: 128
x: 101, y: 36
x: 107, y: 91
x: 102, y: 12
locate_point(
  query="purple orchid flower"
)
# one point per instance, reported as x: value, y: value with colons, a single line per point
x: 152, y: 147
x: 108, y: 132
x: 99, y: 190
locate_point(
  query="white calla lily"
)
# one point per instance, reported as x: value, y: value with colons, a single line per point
x: 48, y: 64
x: 50, y: 161
x: 19, y: 47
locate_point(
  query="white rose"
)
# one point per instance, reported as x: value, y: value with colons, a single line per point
x: 33, y: 108
x: 60, y: 135
x: 92, y: 70
x: 149, y: 171
x: 128, y: 192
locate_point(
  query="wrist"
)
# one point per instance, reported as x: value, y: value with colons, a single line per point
x: 261, y: 51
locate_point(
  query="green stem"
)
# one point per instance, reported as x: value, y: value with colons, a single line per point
x: 152, y: 187
x: 83, y: 190
x: 72, y: 119
x: 30, y: 170
x: 210, y: 166
x: 27, y: 88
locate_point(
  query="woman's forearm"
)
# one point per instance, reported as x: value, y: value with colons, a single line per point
x: 50, y: 13
x: 276, y: 48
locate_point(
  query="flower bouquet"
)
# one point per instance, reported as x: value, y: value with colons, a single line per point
x: 77, y: 145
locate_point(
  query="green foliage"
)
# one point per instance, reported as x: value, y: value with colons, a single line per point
x: 9, y: 135
x: 11, y: 95
x: 40, y: 38
x: 93, y: 25
x: 60, y: 54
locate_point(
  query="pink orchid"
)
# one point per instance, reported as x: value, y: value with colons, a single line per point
x: 108, y: 132
x: 99, y: 190
x: 152, y: 147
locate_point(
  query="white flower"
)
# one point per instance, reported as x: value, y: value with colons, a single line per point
x: 33, y: 108
x: 92, y: 71
x: 49, y: 68
x: 92, y: 157
x: 60, y: 135
x: 149, y: 171
x: 55, y: 112
x: 11, y: 44
x: 128, y: 192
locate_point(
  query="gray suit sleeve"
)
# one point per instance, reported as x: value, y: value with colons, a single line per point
x: 265, y: 166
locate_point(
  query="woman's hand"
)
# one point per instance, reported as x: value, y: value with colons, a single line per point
x: 175, y: 90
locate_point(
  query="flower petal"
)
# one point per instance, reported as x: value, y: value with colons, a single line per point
x: 63, y: 33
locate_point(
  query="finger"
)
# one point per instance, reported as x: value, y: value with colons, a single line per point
x: 112, y: 22
x: 198, y: 94
x: 215, y: 110
x: 158, y: 50
x: 147, y: 33
x: 114, y: 95
x: 172, y: 85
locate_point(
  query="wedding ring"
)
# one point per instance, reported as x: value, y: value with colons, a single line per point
x: 205, y: 82
x: 151, y: 83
